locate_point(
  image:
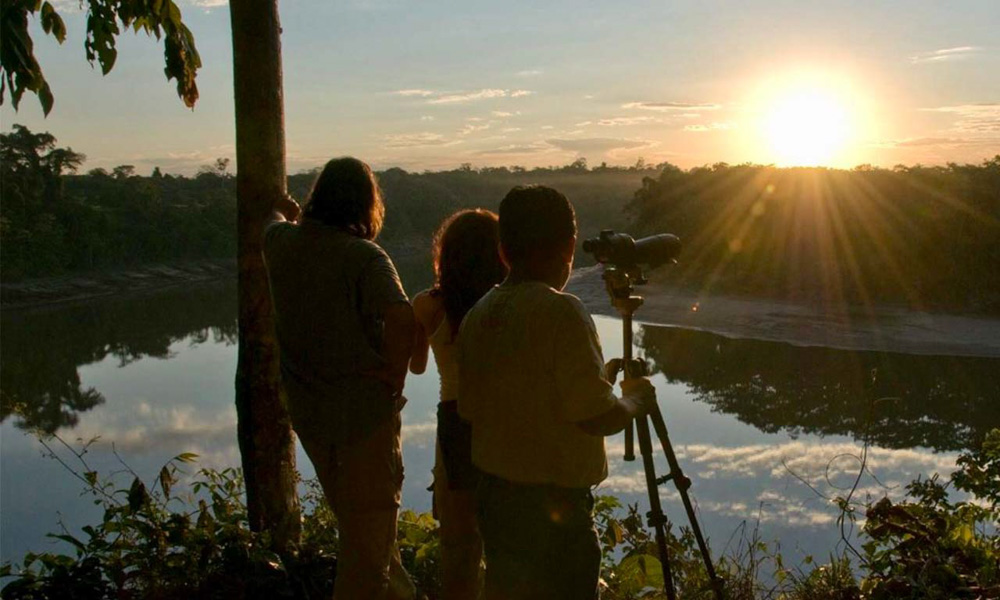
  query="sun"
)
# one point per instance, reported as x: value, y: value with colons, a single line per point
x: 807, y: 127
x: 810, y: 115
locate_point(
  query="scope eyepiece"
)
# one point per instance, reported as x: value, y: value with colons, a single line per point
x: 621, y: 250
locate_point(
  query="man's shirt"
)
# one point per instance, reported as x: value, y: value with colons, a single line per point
x: 330, y: 290
x: 531, y: 369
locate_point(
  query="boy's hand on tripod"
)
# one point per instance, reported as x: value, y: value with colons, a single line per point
x: 640, y: 394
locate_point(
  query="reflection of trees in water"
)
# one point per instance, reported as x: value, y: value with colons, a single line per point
x: 945, y: 403
x: 42, y: 350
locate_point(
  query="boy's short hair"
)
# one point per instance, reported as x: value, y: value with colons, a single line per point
x: 536, y: 222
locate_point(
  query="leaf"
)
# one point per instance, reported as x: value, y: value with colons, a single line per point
x: 186, y: 457
x: 91, y: 477
x: 52, y: 23
x: 640, y: 571
x: 166, y: 480
x: 618, y: 532
x: 46, y: 98
x: 137, y: 495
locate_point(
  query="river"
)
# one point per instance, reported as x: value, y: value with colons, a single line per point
x: 151, y: 376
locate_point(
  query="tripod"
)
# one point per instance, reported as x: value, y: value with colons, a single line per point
x: 620, y: 283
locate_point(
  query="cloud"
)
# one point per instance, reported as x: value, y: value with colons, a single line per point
x: 504, y: 114
x: 973, y: 118
x: 516, y: 149
x: 756, y: 480
x: 413, y: 92
x: 473, y: 127
x: 945, y: 55
x: 419, y: 435
x: 671, y: 106
x: 701, y: 127
x: 598, y: 145
x: 926, y: 141
x: 415, y: 140
x: 626, y: 121
x: 483, y: 94
x: 426, y: 118
x: 813, y: 462
x: 529, y: 73
x: 942, y: 142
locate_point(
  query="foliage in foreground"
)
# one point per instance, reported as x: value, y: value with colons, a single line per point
x: 154, y: 543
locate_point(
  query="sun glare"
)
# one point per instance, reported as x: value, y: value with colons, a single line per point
x: 809, y: 118
x: 808, y: 127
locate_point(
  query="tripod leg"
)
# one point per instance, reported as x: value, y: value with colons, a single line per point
x: 656, y: 517
x: 683, y: 483
x: 629, y: 442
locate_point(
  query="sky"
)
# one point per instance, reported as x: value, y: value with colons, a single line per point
x: 434, y: 84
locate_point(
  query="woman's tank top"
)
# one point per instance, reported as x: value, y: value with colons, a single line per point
x: 443, y: 346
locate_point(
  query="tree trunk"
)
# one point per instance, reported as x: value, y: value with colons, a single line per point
x: 267, y: 445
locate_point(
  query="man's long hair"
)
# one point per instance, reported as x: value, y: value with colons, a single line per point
x: 346, y: 195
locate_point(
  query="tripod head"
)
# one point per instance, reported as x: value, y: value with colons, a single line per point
x: 623, y: 258
x: 620, y: 283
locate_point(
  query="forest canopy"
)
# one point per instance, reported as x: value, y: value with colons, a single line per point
x: 925, y: 237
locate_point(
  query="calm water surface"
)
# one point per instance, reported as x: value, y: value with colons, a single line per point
x: 153, y: 377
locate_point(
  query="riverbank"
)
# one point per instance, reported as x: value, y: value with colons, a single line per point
x: 84, y: 287
x: 882, y: 328
x: 878, y: 328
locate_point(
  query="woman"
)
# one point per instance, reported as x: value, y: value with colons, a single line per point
x: 345, y: 330
x: 466, y: 266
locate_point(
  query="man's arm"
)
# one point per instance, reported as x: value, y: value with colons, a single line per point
x: 638, y: 396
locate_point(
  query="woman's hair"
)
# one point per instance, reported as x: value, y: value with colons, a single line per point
x: 346, y: 194
x: 466, y: 261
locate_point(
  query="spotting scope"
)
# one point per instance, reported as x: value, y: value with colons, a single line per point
x: 621, y: 250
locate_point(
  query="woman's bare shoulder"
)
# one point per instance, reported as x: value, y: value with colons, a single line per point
x: 428, y: 307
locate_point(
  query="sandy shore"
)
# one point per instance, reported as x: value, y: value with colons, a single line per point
x: 887, y: 329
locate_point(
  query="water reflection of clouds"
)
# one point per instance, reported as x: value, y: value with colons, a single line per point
x: 764, y: 482
x: 419, y: 435
x: 812, y: 461
x: 170, y: 429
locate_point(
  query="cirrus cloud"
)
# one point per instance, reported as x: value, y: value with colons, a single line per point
x: 671, y: 106
x: 945, y: 55
x: 415, y: 140
x: 435, y: 97
x: 598, y: 145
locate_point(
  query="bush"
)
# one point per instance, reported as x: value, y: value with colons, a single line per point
x: 156, y: 544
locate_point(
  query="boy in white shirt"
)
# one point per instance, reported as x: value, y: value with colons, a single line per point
x: 533, y: 387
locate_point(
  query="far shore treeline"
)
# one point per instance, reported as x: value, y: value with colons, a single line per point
x: 923, y: 237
